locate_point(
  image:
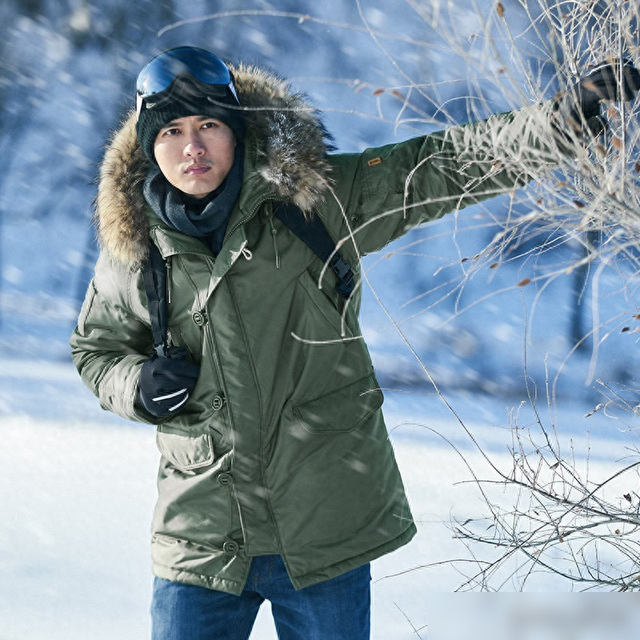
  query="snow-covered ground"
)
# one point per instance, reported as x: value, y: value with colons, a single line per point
x: 77, y: 487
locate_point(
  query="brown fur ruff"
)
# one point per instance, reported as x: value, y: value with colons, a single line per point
x: 293, y: 146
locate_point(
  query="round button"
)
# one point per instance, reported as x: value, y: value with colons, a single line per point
x: 199, y: 318
x: 230, y: 547
x: 217, y: 403
x: 225, y: 479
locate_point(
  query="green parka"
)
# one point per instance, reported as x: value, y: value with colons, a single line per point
x: 281, y: 448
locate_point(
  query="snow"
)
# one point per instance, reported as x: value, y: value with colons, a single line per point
x: 77, y: 488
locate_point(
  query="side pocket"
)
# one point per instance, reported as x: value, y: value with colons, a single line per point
x: 177, y: 339
x: 323, y: 304
x: 184, y: 452
x: 343, y: 410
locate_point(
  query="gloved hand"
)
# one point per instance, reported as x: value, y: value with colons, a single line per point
x: 602, y: 84
x: 165, y: 383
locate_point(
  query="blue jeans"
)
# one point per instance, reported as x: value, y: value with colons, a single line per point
x: 336, y: 609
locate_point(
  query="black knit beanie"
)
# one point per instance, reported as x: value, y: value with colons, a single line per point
x: 187, y: 103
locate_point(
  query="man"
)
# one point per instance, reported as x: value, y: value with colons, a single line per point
x: 277, y: 480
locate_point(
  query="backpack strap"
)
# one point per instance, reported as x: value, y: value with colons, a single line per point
x: 314, y: 234
x: 154, y: 274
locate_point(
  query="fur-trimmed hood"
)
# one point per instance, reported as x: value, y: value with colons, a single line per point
x: 292, y: 151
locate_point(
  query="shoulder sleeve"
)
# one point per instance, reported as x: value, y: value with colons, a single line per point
x: 113, y: 338
x: 383, y: 192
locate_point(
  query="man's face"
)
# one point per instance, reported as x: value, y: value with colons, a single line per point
x: 195, y: 153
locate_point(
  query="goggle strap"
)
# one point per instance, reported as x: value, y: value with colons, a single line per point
x: 158, y: 100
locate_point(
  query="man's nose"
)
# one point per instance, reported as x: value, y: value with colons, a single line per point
x: 194, y: 146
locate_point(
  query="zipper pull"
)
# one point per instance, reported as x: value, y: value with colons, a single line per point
x: 246, y: 253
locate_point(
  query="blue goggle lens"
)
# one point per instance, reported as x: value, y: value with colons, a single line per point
x: 161, y: 71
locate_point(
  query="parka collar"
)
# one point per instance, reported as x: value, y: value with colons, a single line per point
x: 286, y: 146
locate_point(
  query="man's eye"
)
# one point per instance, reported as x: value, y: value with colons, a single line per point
x: 208, y: 125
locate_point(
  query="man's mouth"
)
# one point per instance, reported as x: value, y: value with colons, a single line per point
x: 197, y: 169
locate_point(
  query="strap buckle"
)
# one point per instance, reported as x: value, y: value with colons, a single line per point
x: 344, y: 274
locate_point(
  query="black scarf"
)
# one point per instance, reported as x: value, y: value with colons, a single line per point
x: 206, y: 218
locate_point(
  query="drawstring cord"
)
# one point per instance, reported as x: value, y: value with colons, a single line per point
x: 274, y: 235
x: 169, y: 265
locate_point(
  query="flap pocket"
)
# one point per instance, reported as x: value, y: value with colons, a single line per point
x: 186, y: 452
x: 342, y: 410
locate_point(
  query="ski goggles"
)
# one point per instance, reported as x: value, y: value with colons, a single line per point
x: 157, y: 79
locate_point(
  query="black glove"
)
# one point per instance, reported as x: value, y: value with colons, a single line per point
x: 602, y: 84
x: 165, y: 383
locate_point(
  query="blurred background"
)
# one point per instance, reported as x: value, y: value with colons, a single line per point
x: 379, y: 72
x: 540, y: 317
